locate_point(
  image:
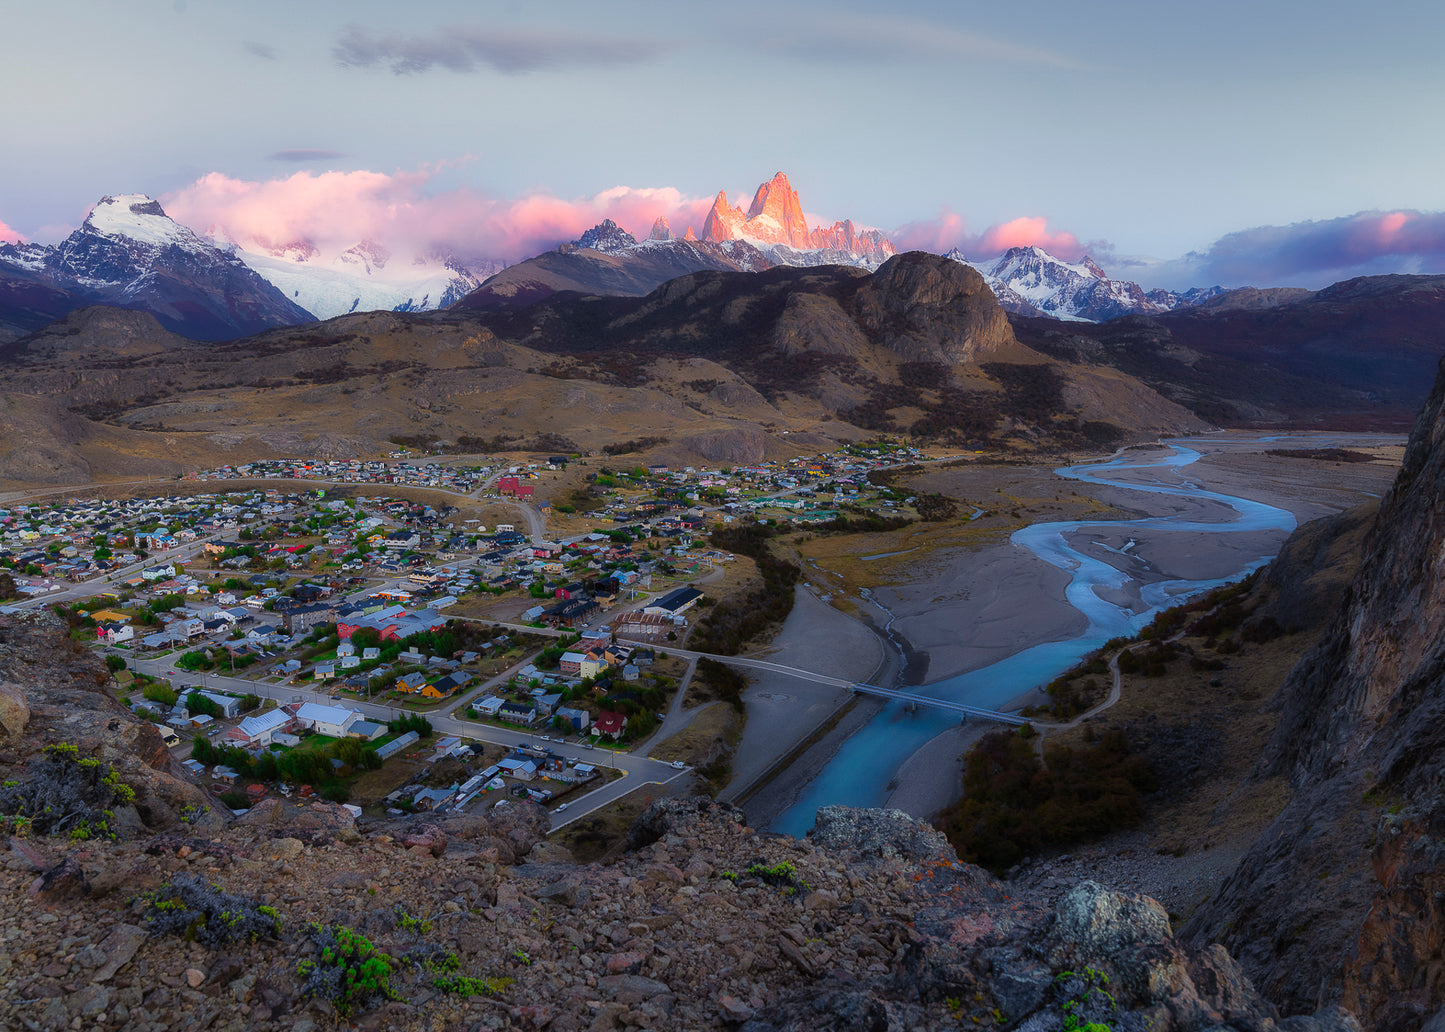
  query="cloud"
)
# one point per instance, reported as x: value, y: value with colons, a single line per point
x: 259, y: 49
x: 949, y: 230
x: 335, y: 210
x: 832, y: 36
x: 1317, y: 253
x: 306, y: 155
x: 464, y: 48
x: 9, y: 236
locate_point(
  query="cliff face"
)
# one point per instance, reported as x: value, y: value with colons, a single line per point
x: 1362, y: 737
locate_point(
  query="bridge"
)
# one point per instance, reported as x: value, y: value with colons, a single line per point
x: 864, y: 689
x: 943, y: 704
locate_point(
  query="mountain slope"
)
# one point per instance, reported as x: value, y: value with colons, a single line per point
x: 1362, y: 739
x: 1359, y: 353
x: 130, y: 254
x: 720, y: 363
x: 1030, y: 281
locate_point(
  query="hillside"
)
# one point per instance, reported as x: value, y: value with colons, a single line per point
x: 1358, y: 354
x: 171, y: 915
x: 723, y: 364
x: 1359, y: 740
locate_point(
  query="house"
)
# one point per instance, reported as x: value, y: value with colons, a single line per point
x: 571, y: 663
x: 517, y: 712
x: 115, y: 633
x: 447, y: 685
x: 260, y: 730
x: 571, y: 613
x: 324, y: 671
x: 327, y: 720
x: 489, y: 706
x: 610, y: 724
x: 303, y: 618
x: 230, y: 705
x: 521, y: 769
x: 411, y: 683
x: 576, y: 719
x: 677, y: 601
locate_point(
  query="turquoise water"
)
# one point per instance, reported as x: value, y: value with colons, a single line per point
x: 860, y: 772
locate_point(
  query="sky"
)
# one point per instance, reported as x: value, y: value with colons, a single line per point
x: 1260, y: 142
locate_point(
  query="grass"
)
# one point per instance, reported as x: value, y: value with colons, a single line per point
x: 712, y: 736
x: 601, y: 834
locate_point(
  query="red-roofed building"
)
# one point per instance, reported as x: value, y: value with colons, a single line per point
x: 610, y: 725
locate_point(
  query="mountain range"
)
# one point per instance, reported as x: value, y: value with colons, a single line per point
x: 129, y: 253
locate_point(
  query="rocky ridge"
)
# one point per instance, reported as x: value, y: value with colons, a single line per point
x: 703, y: 923
x: 1360, y: 737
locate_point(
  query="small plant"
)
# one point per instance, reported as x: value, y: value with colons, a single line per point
x: 415, y: 925
x: 523, y: 957
x: 207, y: 914
x: 350, y: 971
x: 191, y: 814
x: 781, y: 875
x: 465, y: 985
x: 1084, y: 1000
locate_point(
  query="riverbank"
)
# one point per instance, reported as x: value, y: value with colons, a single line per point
x: 1008, y: 600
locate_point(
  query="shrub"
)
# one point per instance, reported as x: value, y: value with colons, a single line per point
x: 208, y: 915
x: 66, y: 793
x: 1013, y: 805
x: 350, y: 971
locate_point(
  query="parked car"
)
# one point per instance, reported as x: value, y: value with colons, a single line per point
x: 678, y: 765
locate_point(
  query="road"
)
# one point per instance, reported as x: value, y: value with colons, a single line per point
x: 638, y: 771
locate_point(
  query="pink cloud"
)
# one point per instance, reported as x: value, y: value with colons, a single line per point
x: 9, y: 236
x: 335, y: 210
x: 1030, y: 232
x: 1317, y: 253
x: 949, y: 230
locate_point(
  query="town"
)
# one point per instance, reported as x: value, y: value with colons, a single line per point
x: 354, y: 629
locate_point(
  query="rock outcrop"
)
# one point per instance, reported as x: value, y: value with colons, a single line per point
x: 927, y: 309
x: 1362, y: 737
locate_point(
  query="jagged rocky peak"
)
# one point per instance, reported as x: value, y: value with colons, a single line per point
x: 661, y: 230
x: 723, y: 222
x: 776, y: 215
x: 606, y: 236
x: 775, y: 219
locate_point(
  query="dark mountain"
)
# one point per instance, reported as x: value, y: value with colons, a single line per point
x: 608, y: 261
x: 1361, y: 737
x: 720, y: 363
x: 129, y: 254
x: 1360, y: 353
x: 29, y: 302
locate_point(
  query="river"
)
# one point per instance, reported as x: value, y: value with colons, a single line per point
x: 860, y: 772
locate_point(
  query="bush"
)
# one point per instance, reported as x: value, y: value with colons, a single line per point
x: 66, y: 793
x: 350, y: 971
x: 115, y: 664
x: 206, y: 914
x: 1013, y: 806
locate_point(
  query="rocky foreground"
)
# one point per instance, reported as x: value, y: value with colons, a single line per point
x: 131, y: 903
x: 870, y: 923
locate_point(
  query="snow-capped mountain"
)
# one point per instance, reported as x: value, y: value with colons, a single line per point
x: 130, y: 254
x: 1030, y: 281
x: 775, y: 224
x: 362, y: 278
